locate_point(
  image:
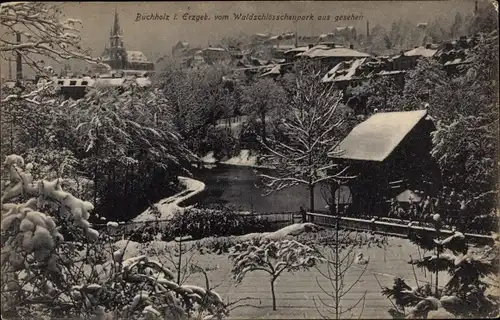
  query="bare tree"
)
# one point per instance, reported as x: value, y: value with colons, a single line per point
x: 43, y: 33
x: 310, y: 131
x: 341, y: 259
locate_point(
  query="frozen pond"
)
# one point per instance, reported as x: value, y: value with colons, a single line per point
x: 238, y: 186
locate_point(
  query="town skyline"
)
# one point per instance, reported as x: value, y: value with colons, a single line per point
x: 156, y: 37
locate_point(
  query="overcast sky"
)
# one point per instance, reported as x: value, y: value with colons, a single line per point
x: 158, y: 37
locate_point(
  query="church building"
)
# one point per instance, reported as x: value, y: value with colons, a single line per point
x: 118, y: 58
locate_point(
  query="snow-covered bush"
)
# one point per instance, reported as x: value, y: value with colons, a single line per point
x: 45, y: 275
x: 273, y: 257
x: 219, y: 221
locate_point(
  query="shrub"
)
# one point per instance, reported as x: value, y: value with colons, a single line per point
x: 216, y: 222
x: 45, y: 275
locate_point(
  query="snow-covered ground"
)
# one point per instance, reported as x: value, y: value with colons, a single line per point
x: 298, y: 293
x: 243, y: 159
x: 169, y: 206
x: 209, y: 158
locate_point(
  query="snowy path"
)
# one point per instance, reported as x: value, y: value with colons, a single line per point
x: 169, y: 206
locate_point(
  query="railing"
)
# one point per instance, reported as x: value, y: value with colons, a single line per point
x: 387, y: 228
x: 282, y: 219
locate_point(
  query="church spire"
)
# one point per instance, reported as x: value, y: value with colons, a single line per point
x: 116, y: 32
x: 116, y: 24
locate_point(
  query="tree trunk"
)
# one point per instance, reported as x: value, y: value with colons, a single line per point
x: 273, y: 294
x: 263, y: 121
x: 311, y: 198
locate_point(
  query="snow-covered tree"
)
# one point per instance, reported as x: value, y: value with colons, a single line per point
x: 45, y: 34
x: 272, y: 257
x: 197, y: 98
x: 260, y: 99
x: 463, y: 295
x: 311, y: 129
x: 126, y: 133
x: 464, y: 108
x: 45, y: 275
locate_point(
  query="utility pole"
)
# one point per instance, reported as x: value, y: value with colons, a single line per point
x: 296, y: 34
x: 19, y: 65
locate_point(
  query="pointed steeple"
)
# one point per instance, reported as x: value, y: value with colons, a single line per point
x: 116, y: 24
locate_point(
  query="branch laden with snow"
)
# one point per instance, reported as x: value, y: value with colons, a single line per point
x: 44, y: 273
x: 307, y: 136
x: 45, y: 34
x: 273, y: 257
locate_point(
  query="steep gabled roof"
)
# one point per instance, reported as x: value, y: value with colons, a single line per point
x: 376, y: 138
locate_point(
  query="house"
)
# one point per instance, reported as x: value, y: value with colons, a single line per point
x: 388, y: 153
x: 76, y: 88
x: 211, y: 54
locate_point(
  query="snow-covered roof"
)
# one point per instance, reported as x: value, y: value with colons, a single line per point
x: 344, y: 28
x: 376, y: 138
x: 408, y: 196
x: 326, y: 35
x: 324, y: 52
x: 343, y: 71
x: 89, y: 82
x: 298, y: 49
x: 136, y: 56
x: 214, y: 49
x: 457, y: 61
x: 421, y: 51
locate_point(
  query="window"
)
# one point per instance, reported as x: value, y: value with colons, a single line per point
x: 84, y: 83
x: 60, y: 82
x: 72, y: 83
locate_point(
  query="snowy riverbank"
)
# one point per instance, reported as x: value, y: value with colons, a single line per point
x: 169, y: 206
x: 244, y: 159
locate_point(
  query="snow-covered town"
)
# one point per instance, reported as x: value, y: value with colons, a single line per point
x: 181, y: 168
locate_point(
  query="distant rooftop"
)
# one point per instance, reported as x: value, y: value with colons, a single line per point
x: 324, y: 51
x: 421, y: 51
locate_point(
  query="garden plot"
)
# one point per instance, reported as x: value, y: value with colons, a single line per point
x: 298, y: 293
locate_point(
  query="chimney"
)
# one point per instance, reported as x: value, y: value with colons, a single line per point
x: 351, y: 46
x: 19, y: 65
x: 475, y: 8
x: 310, y: 46
x: 367, y: 28
x: 428, y: 46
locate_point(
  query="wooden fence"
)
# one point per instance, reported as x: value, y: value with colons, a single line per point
x: 386, y: 228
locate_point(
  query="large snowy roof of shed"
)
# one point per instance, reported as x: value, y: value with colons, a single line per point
x: 376, y: 138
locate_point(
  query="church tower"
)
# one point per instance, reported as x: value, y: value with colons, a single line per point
x: 118, y: 55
